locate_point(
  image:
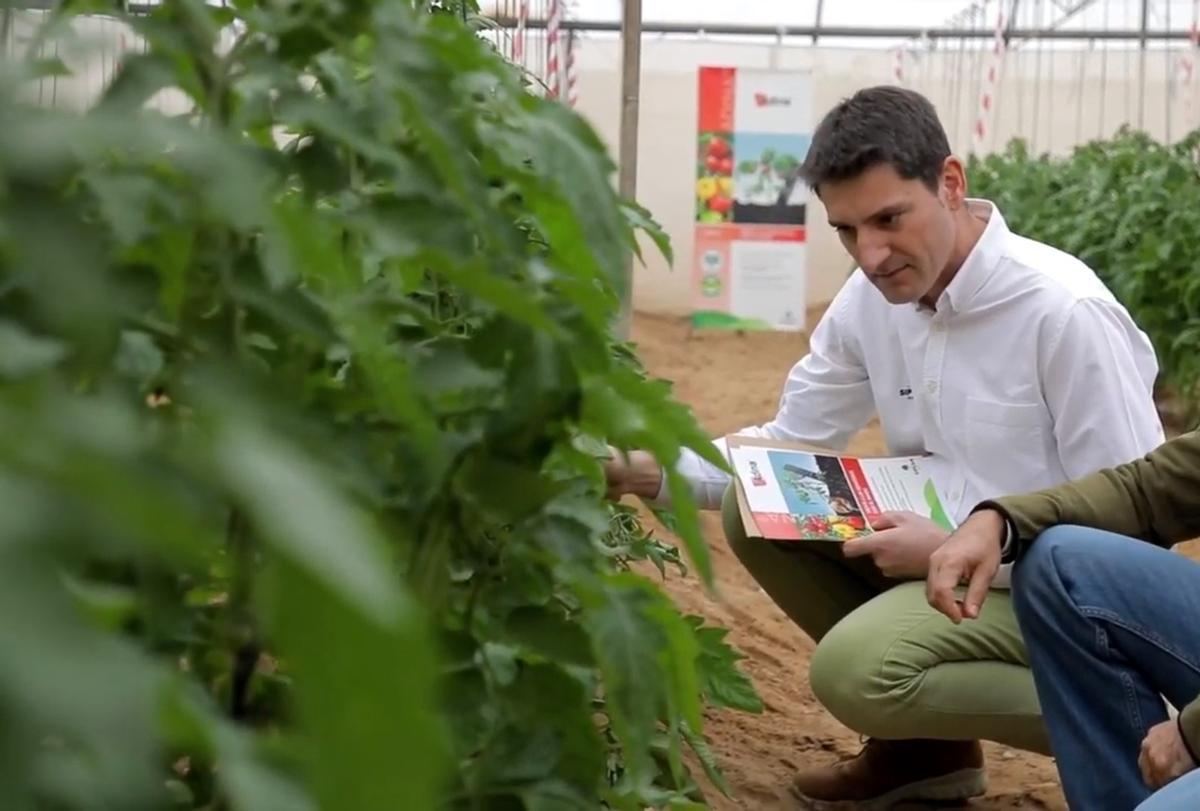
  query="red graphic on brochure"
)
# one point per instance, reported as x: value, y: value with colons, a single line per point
x: 790, y: 492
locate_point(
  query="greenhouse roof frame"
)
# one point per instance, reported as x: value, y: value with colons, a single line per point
x: 854, y: 32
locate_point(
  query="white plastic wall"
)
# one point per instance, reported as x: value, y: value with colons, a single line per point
x: 1054, y: 98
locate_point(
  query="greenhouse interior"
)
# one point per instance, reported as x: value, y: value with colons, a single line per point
x: 533, y: 405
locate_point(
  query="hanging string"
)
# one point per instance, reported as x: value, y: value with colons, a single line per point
x: 1129, y: 72
x: 1193, y: 47
x: 1037, y: 79
x: 976, y: 69
x: 924, y: 49
x: 944, y: 59
x: 1051, y: 130
x: 1019, y: 71
x: 987, y: 97
x: 1101, y: 129
x: 1170, y: 73
x: 1084, y: 54
x: 540, y: 64
x: 519, y: 40
x: 956, y: 97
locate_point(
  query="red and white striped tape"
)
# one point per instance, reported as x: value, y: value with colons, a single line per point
x: 553, y: 24
x: 987, y: 93
x: 572, y: 75
x: 519, y: 40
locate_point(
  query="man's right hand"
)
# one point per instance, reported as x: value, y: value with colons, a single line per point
x: 640, y: 474
x: 972, y: 555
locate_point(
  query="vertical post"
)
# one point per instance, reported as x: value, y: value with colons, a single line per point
x: 817, y: 21
x: 631, y: 68
x: 1141, y: 116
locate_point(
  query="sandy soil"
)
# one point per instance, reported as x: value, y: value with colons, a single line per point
x: 731, y: 380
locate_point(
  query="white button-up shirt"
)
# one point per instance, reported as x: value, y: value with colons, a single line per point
x: 1028, y: 373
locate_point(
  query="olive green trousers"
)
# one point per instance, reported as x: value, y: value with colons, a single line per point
x: 887, y: 665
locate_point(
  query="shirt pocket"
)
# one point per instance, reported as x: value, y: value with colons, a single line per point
x: 1006, y: 442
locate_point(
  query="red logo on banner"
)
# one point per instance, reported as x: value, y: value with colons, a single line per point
x: 763, y: 100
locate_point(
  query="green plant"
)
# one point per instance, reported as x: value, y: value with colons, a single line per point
x: 303, y: 397
x: 1130, y: 208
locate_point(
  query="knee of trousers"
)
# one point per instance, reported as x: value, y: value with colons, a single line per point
x: 1037, y: 577
x: 753, y: 554
x: 857, y: 678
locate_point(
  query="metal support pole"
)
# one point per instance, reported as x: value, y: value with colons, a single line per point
x: 817, y: 21
x: 631, y: 69
x: 1141, y: 116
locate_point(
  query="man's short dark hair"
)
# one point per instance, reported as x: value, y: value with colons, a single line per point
x: 878, y: 125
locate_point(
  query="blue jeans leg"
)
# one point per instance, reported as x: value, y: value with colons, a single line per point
x: 1182, y: 794
x: 1111, y: 624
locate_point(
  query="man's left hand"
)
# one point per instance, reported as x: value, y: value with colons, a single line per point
x: 900, y: 546
x: 1164, y: 755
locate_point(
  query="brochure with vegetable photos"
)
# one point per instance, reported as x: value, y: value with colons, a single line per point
x: 789, y: 491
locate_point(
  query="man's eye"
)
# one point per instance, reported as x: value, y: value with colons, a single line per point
x: 889, y: 219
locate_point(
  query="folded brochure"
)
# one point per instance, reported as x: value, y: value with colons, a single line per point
x: 791, y: 491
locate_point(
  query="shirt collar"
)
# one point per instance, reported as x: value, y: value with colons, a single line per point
x: 981, y: 262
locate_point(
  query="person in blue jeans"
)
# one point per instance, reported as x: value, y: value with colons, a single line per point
x: 1110, y: 617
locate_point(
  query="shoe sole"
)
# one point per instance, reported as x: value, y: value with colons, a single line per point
x: 956, y: 786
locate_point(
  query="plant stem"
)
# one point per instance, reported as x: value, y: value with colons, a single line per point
x: 241, y: 624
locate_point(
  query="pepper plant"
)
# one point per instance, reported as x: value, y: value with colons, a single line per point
x: 303, y: 395
x: 1129, y: 207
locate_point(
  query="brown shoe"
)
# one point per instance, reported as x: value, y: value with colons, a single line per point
x: 888, y: 772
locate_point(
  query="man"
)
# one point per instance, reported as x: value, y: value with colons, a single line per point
x: 1112, y: 623
x: 1005, y: 360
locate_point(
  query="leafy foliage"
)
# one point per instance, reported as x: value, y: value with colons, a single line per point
x: 303, y: 398
x: 1129, y: 207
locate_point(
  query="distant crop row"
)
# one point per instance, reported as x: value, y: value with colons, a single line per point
x: 1129, y: 207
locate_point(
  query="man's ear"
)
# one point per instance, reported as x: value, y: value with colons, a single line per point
x: 954, y: 183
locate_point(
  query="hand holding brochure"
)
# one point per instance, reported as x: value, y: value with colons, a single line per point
x: 790, y: 491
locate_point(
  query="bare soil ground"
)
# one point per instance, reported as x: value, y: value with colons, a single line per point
x: 732, y: 380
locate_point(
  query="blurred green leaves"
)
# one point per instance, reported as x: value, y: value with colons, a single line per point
x: 294, y: 385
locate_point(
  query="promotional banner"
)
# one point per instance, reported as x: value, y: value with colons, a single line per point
x: 750, y: 240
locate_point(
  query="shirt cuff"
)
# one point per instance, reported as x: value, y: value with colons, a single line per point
x: 707, y: 482
x: 1010, y: 545
x: 1009, y: 539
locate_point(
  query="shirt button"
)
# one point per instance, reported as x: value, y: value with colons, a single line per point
x: 931, y: 386
x: 939, y: 327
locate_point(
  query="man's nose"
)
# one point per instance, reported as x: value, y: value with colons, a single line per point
x: 872, y: 254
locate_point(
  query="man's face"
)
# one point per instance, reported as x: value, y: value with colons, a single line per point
x: 899, y: 232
